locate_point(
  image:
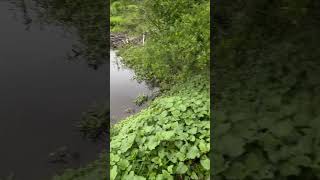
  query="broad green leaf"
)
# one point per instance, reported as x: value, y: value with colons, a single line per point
x: 193, y: 152
x: 203, y: 147
x: 113, y: 173
x: 168, y: 134
x: 127, y: 143
x: 194, y: 175
x: 205, y: 162
x: 152, y: 142
x: 193, y: 130
x: 123, y: 164
x: 170, y: 169
x: 181, y: 168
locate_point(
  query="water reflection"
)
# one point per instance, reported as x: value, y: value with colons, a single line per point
x: 85, y: 17
x: 124, y: 89
x: 43, y: 94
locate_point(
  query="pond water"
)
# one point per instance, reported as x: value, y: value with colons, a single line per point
x: 124, y: 89
x: 42, y: 97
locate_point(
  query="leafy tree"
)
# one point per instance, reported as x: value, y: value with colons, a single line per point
x: 177, y: 43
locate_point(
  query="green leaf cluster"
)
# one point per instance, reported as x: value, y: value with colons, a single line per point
x: 142, y: 98
x: 170, y: 139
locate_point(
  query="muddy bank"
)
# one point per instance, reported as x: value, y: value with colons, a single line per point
x: 124, y: 90
x: 119, y: 40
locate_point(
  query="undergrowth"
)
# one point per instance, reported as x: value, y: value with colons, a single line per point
x: 169, y: 139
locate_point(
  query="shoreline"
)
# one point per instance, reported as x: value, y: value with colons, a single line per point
x: 118, y: 40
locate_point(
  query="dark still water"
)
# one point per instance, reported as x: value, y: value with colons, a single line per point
x: 42, y: 97
x: 124, y: 89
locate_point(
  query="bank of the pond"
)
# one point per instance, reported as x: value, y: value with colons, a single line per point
x: 119, y: 40
x: 124, y: 89
x: 169, y: 139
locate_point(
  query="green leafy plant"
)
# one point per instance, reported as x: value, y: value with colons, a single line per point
x: 170, y: 139
x: 142, y: 98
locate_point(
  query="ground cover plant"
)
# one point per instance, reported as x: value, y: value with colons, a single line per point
x: 169, y: 139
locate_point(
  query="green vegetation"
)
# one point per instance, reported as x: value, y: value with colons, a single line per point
x: 125, y: 17
x: 171, y: 138
x: 266, y: 90
x: 142, y: 98
x: 177, y: 41
x: 176, y: 51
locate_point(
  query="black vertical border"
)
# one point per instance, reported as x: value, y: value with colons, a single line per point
x: 212, y: 62
x: 108, y: 87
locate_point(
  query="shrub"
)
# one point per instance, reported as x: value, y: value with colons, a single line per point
x: 177, y: 41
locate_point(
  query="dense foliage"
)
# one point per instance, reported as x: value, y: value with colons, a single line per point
x: 177, y: 41
x: 170, y: 139
x: 266, y: 120
x: 126, y: 17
